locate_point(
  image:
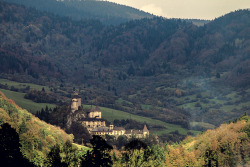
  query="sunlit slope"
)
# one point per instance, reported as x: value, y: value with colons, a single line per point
x: 36, y: 136
x: 228, y: 145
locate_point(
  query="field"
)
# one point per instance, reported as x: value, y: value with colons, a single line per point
x: 25, y: 103
x: 23, y: 85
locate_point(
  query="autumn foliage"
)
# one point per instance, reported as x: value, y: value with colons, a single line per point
x: 36, y: 136
x: 227, y: 145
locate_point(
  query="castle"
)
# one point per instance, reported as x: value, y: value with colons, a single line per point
x: 97, y: 126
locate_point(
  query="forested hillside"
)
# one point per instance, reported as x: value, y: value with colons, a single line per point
x: 227, y: 145
x: 36, y: 136
x: 106, y: 12
x: 167, y: 69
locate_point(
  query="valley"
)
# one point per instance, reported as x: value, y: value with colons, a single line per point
x: 108, y: 113
x: 165, y: 69
x: 185, y: 80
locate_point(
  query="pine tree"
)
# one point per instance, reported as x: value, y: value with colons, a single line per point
x: 54, y: 159
x: 99, y: 155
x: 10, y: 154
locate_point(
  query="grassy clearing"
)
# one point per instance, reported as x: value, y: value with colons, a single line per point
x: 82, y: 148
x: 202, y: 124
x: 188, y: 105
x: 146, y: 107
x: 23, y: 85
x: 121, y: 101
x: 111, y: 114
x: 25, y: 103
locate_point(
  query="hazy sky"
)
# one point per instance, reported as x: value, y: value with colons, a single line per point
x: 202, y: 9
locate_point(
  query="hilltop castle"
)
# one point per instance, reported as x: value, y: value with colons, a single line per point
x: 96, y: 125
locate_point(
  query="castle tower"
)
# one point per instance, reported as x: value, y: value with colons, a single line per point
x: 79, y: 100
x: 145, y: 131
x: 76, y: 102
x: 74, y: 105
x: 111, y: 126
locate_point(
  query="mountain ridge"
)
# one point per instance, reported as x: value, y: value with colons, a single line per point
x: 107, y: 12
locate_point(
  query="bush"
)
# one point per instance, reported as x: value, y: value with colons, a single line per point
x: 41, y: 96
x: 197, y: 104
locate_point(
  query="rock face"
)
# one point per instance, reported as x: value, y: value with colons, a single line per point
x: 74, y: 117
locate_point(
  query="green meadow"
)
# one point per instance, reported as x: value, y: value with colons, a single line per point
x: 25, y: 103
x: 20, y: 85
